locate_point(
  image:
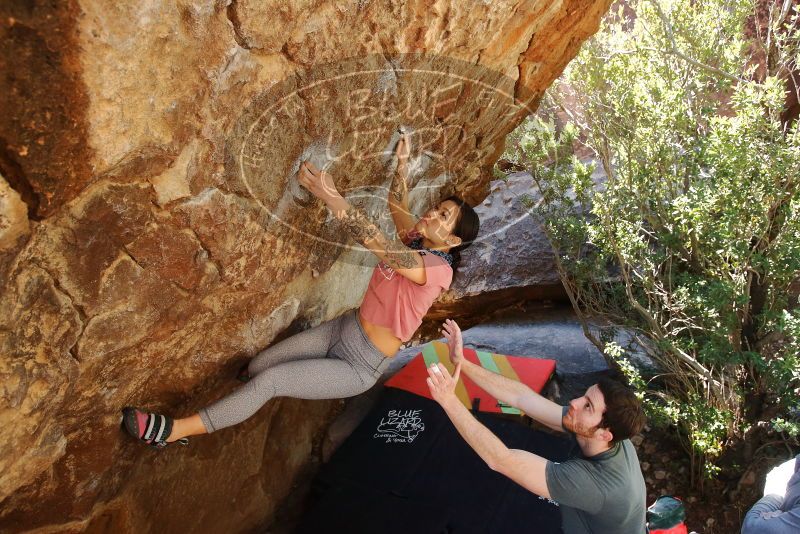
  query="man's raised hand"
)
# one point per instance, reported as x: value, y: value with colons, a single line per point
x: 441, y: 384
x: 452, y: 333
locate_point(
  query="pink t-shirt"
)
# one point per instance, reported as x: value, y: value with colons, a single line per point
x: 394, y: 301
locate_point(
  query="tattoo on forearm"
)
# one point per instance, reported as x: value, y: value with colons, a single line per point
x: 396, y: 253
x: 398, y: 194
x: 359, y: 226
x: 398, y: 187
x: 400, y: 256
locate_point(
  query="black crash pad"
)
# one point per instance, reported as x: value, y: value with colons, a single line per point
x: 406, y: 469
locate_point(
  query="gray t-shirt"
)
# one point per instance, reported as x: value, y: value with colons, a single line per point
x: 604, y: 494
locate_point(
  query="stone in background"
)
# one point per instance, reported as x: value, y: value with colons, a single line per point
x: 510, y: 263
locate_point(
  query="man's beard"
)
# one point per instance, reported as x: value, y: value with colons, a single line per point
x: 577, y: 429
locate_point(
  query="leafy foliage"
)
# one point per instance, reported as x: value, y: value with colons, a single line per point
x: 690, y: 235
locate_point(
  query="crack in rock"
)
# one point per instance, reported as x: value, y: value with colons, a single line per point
x: 233, y: 16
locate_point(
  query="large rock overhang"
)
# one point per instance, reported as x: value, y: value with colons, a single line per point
x: 152, y: 235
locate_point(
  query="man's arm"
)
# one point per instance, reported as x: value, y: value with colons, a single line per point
x: 770, y: 514
x: 516, y: 394
x: 504, y: 389
x: 767, y: 517
x: 524, y: 468
x: 571, y: 483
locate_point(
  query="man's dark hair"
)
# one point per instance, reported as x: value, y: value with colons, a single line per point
x: 624, y: 416
x: 466, y: 227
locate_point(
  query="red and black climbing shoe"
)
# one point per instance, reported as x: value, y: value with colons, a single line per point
x: 151, y: 428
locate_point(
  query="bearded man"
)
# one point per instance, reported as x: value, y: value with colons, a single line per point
x: 601, y: 491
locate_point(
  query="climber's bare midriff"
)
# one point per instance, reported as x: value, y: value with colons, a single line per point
x: 381, y: 336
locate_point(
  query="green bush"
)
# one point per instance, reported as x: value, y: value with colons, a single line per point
x: 692, y: 240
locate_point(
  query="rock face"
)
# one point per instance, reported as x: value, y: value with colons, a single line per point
x: 512, y: 250
x: 153, y: 237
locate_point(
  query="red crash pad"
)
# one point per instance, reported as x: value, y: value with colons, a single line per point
x: 534, y: 372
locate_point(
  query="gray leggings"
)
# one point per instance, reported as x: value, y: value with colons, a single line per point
x: 333, y: 360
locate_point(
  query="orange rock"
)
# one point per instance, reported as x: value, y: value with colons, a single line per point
x: 171, y: 240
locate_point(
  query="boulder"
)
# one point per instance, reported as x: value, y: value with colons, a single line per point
x: 156, y: 237
x: 510, y: 263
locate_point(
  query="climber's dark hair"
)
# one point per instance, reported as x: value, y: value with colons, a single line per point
x: 466, y: 227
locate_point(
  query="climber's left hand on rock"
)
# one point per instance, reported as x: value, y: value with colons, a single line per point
x: 318, y: 182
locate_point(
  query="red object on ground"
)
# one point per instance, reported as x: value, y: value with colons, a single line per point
x: 534, y: 372
x: 677, y: 529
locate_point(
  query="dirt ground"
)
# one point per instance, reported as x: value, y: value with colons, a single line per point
x: 719, y: 507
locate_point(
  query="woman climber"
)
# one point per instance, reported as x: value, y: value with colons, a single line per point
x: 346, y: 355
